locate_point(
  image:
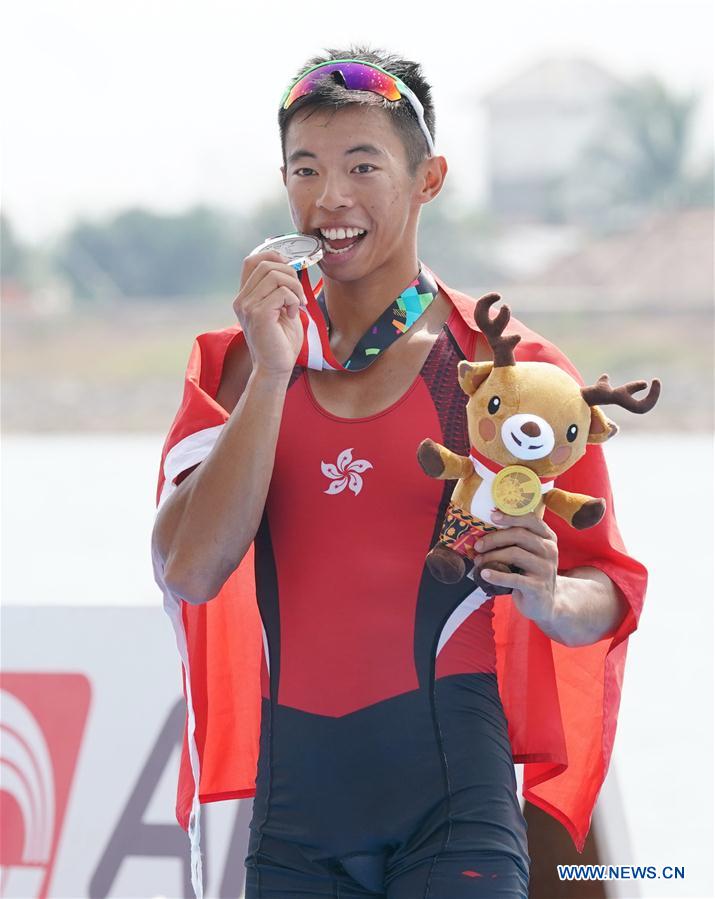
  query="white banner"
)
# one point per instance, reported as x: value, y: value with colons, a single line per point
x: 92, y: 714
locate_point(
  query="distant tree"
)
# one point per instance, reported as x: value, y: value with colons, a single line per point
x: 13, y: 255
x: 269, y: 218
x: 697, y: 188
x: 29, y: 265
x: 639, y: 158
x: 144, y: 254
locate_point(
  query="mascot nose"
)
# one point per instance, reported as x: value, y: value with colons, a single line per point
x: 531, y: 429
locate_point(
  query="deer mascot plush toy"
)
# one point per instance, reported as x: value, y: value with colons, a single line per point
x: 528, y: 422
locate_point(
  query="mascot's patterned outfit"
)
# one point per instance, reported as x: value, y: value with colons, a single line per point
x: 374, y: 712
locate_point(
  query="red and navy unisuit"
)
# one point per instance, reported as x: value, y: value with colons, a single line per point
x: 385, y: 766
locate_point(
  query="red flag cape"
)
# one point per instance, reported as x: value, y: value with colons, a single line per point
x: 561, y: 702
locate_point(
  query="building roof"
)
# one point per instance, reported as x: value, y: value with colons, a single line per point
x: 666, y: 260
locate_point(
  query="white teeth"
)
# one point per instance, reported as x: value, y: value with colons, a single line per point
x: 341, y: 233
x: 333, y: 252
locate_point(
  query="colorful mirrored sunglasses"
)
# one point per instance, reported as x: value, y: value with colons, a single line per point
x: 359, y: 76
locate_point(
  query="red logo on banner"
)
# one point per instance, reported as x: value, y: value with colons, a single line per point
x: 42, y: 719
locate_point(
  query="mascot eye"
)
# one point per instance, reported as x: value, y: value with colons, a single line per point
x: 571, y: 433
x: 493, y: 406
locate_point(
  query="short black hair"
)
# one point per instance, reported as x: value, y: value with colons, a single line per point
x: 330, y: 94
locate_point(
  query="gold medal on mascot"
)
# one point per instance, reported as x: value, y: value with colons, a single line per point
x: 516, y: 490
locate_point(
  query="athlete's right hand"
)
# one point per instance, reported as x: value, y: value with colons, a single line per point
x: 267, y: 309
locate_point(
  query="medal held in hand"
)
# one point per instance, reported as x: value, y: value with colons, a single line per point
x: 302, y: 251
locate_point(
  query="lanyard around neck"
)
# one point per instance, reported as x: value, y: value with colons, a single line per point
x: 392, y: 323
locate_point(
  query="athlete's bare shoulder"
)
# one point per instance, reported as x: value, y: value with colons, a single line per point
x: 236, y: 371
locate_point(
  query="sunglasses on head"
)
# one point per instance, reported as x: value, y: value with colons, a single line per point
x: 359, y: 76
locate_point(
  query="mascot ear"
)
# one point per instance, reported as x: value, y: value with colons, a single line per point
x: 602, y: 428
x: 471, y: 374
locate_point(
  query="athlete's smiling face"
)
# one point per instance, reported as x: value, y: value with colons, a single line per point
x: 348, y: 168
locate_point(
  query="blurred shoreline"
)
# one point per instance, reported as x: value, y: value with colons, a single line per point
x: 119, y: 366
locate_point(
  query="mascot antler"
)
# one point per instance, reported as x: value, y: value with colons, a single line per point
x: 603, y: 393
x: 492, y: 328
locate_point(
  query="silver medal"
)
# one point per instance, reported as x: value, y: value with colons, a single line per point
x: 301, y: 250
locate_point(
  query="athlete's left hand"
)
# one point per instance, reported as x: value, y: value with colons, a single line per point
x: 528, y: 543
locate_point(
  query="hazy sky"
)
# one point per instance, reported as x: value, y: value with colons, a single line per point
x: 108, y: 103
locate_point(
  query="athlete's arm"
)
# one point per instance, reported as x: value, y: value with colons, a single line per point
x: 588, y: 607
x: 207, y: 524
x: 236, y: 371
x: 579, y: 586
x: 578, y: 607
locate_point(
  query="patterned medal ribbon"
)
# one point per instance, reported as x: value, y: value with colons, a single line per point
x: 399, y: 316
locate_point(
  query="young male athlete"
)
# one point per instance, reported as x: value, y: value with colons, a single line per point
x: 375, y: 713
